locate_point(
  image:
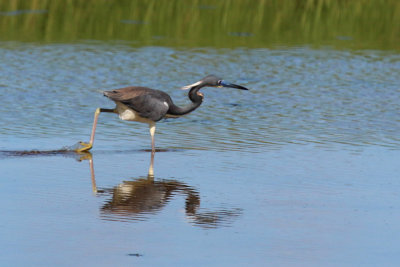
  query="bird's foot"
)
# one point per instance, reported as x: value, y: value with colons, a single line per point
x: 82, y: 147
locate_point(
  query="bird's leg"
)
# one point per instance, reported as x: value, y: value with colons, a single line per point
x: 152, y: 132
x: 150, y: 175
x: 88, y: 146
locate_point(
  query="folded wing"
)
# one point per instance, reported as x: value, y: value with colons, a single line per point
x: 149, y: 103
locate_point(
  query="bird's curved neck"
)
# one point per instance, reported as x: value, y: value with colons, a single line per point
x: 196, y: 99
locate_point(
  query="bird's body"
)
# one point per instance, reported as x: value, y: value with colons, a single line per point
x: 127, y: 114
x: 137, y: 103
x: 146, y: 105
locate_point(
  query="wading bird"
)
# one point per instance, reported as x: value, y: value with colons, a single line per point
x: 147, y: 105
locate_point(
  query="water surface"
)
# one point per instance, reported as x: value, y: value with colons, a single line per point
x: 298, y: 95
x: 302, y: 170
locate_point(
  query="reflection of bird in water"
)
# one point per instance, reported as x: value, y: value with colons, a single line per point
x: 133, y: 200
x: 147, y: 105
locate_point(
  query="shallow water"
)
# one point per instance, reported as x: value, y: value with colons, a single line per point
x: 298, y: 205
x: 297, y: 95
x: 300, y: 170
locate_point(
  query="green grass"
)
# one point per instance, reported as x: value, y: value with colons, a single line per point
x: 356, y: 24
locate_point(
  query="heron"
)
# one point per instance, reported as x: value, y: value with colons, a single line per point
x: 146, y: 105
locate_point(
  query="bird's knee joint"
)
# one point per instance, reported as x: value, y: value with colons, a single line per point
x: 152, y: 129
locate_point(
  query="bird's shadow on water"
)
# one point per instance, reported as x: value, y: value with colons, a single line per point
x: 136, y: 199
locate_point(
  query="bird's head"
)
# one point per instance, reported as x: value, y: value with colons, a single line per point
x: 213, y: 81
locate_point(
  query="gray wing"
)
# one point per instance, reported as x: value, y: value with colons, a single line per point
x: 127, y: 93
x: 149, y: 103
x: 148, y: 106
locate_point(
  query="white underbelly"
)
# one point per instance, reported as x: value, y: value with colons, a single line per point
x: 127, y: 114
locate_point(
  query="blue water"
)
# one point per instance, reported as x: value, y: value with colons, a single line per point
x: 302, y: 170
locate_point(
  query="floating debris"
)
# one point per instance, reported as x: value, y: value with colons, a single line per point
x: 241, y: 34
x: 21, y: 12
x: 207, y: 7
x: 132, y: 21
x: 135, y: 255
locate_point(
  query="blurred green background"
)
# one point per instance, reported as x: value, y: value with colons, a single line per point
x: 356, y: 24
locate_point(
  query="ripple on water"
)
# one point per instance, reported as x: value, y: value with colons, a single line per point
x: 297, y: 95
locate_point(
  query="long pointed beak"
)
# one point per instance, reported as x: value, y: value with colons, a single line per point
x: 231, y: 85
